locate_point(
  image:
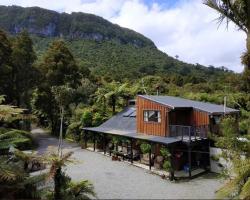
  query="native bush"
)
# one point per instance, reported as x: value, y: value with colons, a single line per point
x: 166, y: 155
x: 145, y: 148
x: 17, y: 138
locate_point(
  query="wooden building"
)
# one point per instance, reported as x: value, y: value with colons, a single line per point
x: 181, y: 125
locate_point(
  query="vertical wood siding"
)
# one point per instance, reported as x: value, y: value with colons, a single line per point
x: 199, y: 118
x: 151, y: 128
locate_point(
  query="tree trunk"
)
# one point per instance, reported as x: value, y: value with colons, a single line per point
x: 61, y: 132
x: 57, y: 186
x: 246, y: 62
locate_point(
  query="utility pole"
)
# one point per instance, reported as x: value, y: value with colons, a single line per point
x: 225, y: 104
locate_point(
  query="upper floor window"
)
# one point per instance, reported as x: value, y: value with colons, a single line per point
x: 152, y: 116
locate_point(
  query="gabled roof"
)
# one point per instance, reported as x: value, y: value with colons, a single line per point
x: 177, y: 102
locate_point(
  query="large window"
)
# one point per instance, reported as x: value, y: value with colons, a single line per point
x: 152, y: 116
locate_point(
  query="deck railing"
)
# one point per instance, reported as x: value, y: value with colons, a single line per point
x: 189, y: 133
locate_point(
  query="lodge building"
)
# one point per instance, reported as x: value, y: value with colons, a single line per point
x: 179, y: 124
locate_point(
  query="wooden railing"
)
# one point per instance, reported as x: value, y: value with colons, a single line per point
x: 189, y: 133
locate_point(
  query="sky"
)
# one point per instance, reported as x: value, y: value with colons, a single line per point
x: 186, y: 28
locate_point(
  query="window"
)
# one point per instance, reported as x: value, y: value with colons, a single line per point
x: 216, y: 119
x: 152, y: 116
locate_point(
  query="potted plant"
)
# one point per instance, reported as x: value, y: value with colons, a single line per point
x: 145, y: 149
x: 167, y: 164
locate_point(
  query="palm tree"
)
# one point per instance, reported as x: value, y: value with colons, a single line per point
x: 238, y: 12
x: 64, y: 188
x: 111, y: 93
x: 99, y: 97
x: 15, y: 179
x: 8, y: 112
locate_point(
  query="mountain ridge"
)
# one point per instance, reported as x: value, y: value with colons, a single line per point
x: 105, y: 48
x: 77, y: 25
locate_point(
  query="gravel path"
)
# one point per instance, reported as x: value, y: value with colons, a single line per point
x: 120, y: 180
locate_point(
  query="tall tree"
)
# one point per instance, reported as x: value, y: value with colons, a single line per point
x: 5, y: 67
x: 238, y: 12
x: 24, y: 73
x: 5, y: 48
x: 58, y: 68
x: 62, y: 95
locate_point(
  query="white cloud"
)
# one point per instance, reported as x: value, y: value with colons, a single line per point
x: 188, y: 29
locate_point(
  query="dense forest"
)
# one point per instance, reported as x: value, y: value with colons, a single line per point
x: 34, y: 83
x: 96, y: 75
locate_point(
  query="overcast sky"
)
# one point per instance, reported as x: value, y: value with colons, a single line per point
x: 186, y: 28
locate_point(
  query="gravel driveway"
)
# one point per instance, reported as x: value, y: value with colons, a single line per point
x: 121, y: 180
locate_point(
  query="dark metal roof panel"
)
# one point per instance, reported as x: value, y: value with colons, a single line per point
x: 177, y: 102
x: 121, y: 122
x: 150, y: 138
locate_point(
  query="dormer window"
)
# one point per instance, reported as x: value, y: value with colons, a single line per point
x: 152, y: 116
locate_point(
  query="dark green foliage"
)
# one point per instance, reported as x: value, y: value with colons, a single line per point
x: 166, y: 155
x: 5, y: 67
x: 24, y: 74
x: 59, y: 66
x: 17, y: 138
x: 119, y: 61
x: 60, y: 71
x: 5, y: 49
x: 145, y: 148
x: 87, y: 118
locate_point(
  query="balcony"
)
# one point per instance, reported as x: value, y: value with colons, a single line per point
x: 189, y: 133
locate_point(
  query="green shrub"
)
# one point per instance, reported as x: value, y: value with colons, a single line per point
x: 73, y: 131
x: 165, y: 153
x: 87, y: 118
x: 97, y: 119
x: 145, y: 148
x: 166, y: 165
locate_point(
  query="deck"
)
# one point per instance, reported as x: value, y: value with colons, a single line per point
x: 189, y: 133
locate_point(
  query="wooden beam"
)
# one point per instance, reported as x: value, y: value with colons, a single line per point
x: 150, y: 151
x: 104, y: 144
x: 189, y: 162
x: 94, y: 141
x: 172, y: 163
x: 85, y: 139
x: 131, y: 142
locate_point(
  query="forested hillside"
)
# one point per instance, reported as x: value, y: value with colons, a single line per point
x: 105, y: 48
x: 93, y: 78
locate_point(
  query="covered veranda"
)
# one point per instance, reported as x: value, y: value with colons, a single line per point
x: 100, y: 138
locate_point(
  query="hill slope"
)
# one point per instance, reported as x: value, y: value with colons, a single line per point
x: 106, y: 48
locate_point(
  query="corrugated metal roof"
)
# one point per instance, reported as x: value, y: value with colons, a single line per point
x: 124, y: 125
x: 177, y: 102
x: 121, y: 121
